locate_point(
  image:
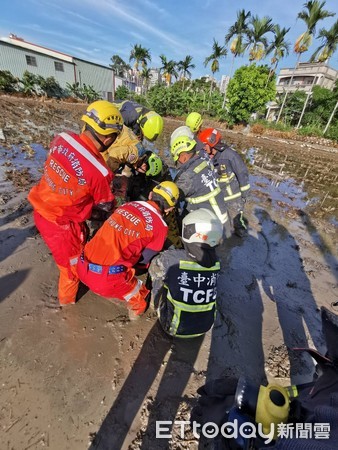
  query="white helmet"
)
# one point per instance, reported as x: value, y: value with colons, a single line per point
x: 181, y: 131
x: 202, y: 227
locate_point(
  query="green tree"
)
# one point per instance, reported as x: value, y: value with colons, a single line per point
x: 322, y: 103
x: 140, y: 55
x: 238, y: 31
x: 312, y: 13
x: 168, y: 69
x: 293, y: 107
x: 257, y: 41
x: 218, y: 52
x: 247, y: 92
x: 146, y: 77
x: 119, y: 66
x: 279, y: 47
x: 184, y: 67
x: 329, y: 43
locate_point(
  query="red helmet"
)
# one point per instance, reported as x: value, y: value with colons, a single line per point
x: 210, y: 136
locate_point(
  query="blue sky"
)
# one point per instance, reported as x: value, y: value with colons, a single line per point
x: 97, y: 29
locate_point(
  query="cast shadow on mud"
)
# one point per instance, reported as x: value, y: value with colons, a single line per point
x: 268, y: 262
x: 319, y: 242
x: 10, y: 282
x: 12, y: 238
x: 134, y: 392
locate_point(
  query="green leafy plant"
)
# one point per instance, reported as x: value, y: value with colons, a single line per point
x: 8, y: 83
x: 122, y: 92
x: 30, y: 84
x: 248, y: 92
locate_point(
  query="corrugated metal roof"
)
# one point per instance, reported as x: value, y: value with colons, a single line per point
x: 19, y: 42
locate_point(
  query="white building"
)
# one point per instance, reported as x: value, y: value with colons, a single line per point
x: 305, y: 76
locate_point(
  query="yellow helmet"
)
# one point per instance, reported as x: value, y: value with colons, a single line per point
x: 194, y: 121
x: 180, y: 145
x: 169, y: 191
x: 151, y: 125
x: 103, y: 117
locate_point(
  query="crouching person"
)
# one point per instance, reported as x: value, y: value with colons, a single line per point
x: 133, y: 234
x: 185, y: 281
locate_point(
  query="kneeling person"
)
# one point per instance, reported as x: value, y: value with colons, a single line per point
x: 185, y: 281
x: 134, y: 233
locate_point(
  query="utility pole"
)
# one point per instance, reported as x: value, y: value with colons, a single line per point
x: 308, y: 95
x: 331, y: 117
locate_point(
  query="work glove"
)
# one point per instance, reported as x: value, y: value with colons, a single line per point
x: 241, y: 225
x: 217, y: 398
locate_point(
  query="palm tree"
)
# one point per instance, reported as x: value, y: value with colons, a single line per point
x: 218, y: 52
x: 312, y: 13
x: 329, y: 43
x: 119, y: 66
x: 184, y: 66
x: 256, y: 37
x: 139, y: 55
x: 146, y: 77
x: 238, y: 31
x: 279, y: 48
x: 168, y: 69
x: 323, y: 53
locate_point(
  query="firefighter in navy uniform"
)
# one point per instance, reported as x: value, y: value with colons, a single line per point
x: 184, y: 130
x: 233, y: 176
x: 197, y: 180
x: 185, y: 281
x: 142, y: 121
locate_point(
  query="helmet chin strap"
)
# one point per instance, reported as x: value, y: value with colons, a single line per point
x: 103, y: 146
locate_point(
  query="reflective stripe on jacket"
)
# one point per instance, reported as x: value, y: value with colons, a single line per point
x: 232, y: 173
x: 197, y: 180
x: 187, y: 305
x: 75, y: 179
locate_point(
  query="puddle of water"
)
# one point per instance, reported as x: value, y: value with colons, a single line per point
x: 305, y: 172
x: 30, y: 157
x: 292, y: 180
x: 287, y: 192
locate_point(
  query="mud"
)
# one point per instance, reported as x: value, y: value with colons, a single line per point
x: 85, y: 376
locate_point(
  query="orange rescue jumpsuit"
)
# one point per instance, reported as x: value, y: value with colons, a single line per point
x: 76, y: 178
x: 135, y: 232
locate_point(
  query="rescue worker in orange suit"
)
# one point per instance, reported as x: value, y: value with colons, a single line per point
x: 76, y: 182
x: 232, y: 174
x: 132, y: 235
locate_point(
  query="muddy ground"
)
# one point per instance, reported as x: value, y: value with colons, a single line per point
x: 84, y: 376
